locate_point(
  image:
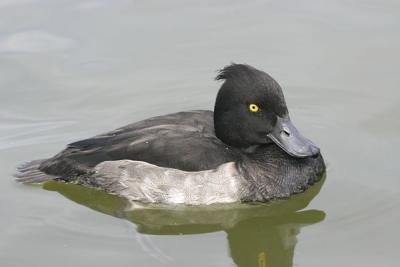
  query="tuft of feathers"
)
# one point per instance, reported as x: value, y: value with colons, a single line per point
x: 235, y: 71
x: 243, y: 75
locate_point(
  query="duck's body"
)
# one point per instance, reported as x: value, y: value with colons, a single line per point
x: 184, y: 141
x: 187, y: 157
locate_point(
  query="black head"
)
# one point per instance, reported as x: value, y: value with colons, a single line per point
x: 250, y: 110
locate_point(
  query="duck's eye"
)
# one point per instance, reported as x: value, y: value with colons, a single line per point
x: 254, y: 108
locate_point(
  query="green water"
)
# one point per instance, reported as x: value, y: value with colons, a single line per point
x: 73, y: 69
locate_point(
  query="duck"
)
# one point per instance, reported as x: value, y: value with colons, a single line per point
x: 246, y: 150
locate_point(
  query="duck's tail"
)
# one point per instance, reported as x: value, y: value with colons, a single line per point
x: 29, y: 172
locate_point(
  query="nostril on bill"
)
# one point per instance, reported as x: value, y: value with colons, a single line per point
x: 285, y: 132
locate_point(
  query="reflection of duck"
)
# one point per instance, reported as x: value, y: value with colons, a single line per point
x: 269, y: 241
x: 258, y: 235
x: 246, y: 150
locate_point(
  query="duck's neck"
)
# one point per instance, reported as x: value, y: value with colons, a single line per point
x: 274, y: 174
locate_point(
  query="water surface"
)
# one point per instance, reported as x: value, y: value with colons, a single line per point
x: 73, y: 69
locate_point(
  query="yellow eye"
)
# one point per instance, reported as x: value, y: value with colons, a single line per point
x: 254, y: 108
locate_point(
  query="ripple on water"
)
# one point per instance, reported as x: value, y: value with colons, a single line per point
x: 19, y: 131
x: 34, y: 41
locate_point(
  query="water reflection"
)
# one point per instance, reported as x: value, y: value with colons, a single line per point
x: 258, y: 235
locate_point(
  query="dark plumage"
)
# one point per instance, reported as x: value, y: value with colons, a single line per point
x: 267, y: 150
x: 183, y: 140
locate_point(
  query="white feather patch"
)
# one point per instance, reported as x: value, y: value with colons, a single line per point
x: 141, y: 181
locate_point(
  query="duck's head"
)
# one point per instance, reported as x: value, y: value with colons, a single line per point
x: 250, y: 110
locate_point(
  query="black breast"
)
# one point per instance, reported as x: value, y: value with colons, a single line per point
x: 273, y: 173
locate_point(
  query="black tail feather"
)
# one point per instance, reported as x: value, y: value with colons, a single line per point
x: 29, y: 172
